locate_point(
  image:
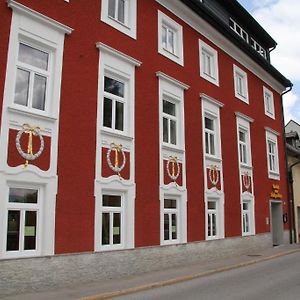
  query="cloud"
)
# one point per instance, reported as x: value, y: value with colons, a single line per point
x: 291, y: 103
x: 262, y: 3
x: 281, y: 19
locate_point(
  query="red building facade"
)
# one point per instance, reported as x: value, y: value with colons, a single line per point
x: 142, y: 124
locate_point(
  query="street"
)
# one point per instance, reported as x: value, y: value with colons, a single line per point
x: 274, y: 279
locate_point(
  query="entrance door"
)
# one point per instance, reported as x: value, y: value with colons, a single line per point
x: 277, y: 223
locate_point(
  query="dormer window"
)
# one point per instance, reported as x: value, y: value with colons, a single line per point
x: 239, y: 30
x: 258, y: 48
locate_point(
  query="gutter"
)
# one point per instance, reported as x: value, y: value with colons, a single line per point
x: 289, y: 188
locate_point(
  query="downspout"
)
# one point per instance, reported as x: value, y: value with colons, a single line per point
x: 290, y: 201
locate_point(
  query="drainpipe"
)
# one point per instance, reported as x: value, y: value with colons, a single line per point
x: 291, y: 180
x: 290, y: 201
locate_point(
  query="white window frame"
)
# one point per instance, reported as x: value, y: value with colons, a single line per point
x: 114, y: 99
x: 48, y: 74
x: 249, y: 213
x: 269, y: 103
x: 208, y: 59
x: 219, y: 213
x: 273, y: 171
x: 236, y: 27
x: 240, y: 84
x: 111, y: 210
x: 173, y: 91
x: 116, y: 65
x: 42, y: 33
x: 211, y: 134
x: 258, y: 48
x: 170, y: 118
x: 170, y: 212
x: 243, y: 124
x: 130, y: 22
x: 166, y: 22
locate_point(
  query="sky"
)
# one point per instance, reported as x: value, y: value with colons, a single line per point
x: 281, y: 19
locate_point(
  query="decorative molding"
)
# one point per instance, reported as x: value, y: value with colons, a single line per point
x: 180, y: 84
x: 272, y: 131
x: 31, y: 114
x: 211, y: 100
x: 15, y: 6
x: 119, y: 54
x: 241, y: 115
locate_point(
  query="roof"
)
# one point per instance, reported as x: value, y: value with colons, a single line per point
x: 237, y: 10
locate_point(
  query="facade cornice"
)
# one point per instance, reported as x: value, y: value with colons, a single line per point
x: 17, y: 7
x: 245, y: 117
x: 272, y: 131
x: 211, y: 100
x: 182, y: 85
x: 119, y: 54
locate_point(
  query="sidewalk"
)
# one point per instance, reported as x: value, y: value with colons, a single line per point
x: 116, y: 287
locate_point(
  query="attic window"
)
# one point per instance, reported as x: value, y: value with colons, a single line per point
x: 258, y: 48
x: 238, y: 29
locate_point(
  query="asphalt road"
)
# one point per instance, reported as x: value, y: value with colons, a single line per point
x: 276, y: 279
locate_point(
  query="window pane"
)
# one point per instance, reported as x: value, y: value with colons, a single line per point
x: 242, y: 136
x: 164, y: 37
x: 209, y: 123
x: 166, y: 227
x: 13, y: 230
x: 19, y: 195
x: 107, y: 113
x: 39, y: 92
x: 171, y: 41
x: 30, y: 230
x: 214, y: 225
x: 173, y: 132
x: 117, y: 228
x: 112, y: 201
x: 121, y: 11
x: 206, y: 143
x: 119, y: 115
x: 174, y: 227
x: 105, y: 229
x: 169, y: 108
x: 113, y: 86
x: 169, y: 203
x: 212, y: 144
x: 34, y: 57
x: 211, y: 205
x: 245, y: 206
x: 111, y: 8
x: 165, y: 130
x: 22, y: 87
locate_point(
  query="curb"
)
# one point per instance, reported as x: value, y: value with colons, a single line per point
x: 123, y: 292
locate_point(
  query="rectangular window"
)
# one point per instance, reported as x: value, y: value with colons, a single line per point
x: 243, y: 146
x: 22, y: 220
x: 120, y: 14
x: 170, y: 42
x: 210, y: 135
x: 258, y: 48
x: 246, y: 218
x: 32, y: 77
x: 112, y: 214
x: 212, y: 219
x: 272, y: 155
x: 170, y: 220
x: 208, y: 63
x: 169, y: 122
x: 113, y: 104
x: 269, y: 103
x: 240, y: 84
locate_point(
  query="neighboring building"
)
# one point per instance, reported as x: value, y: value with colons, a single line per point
x: 292, y: 131
x: 129, y: 124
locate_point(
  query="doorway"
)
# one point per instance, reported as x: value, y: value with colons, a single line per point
x: 276, y: 223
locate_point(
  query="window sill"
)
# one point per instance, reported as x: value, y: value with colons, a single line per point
x: 212, y: 80
x: 31, y: 114
x: 270, y: 115
x: 245, y: 166
x: 170, y: 147
x: 274, y: 175
x: 242, y: 98
x: 115, y: 134
x: 214, y: 158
